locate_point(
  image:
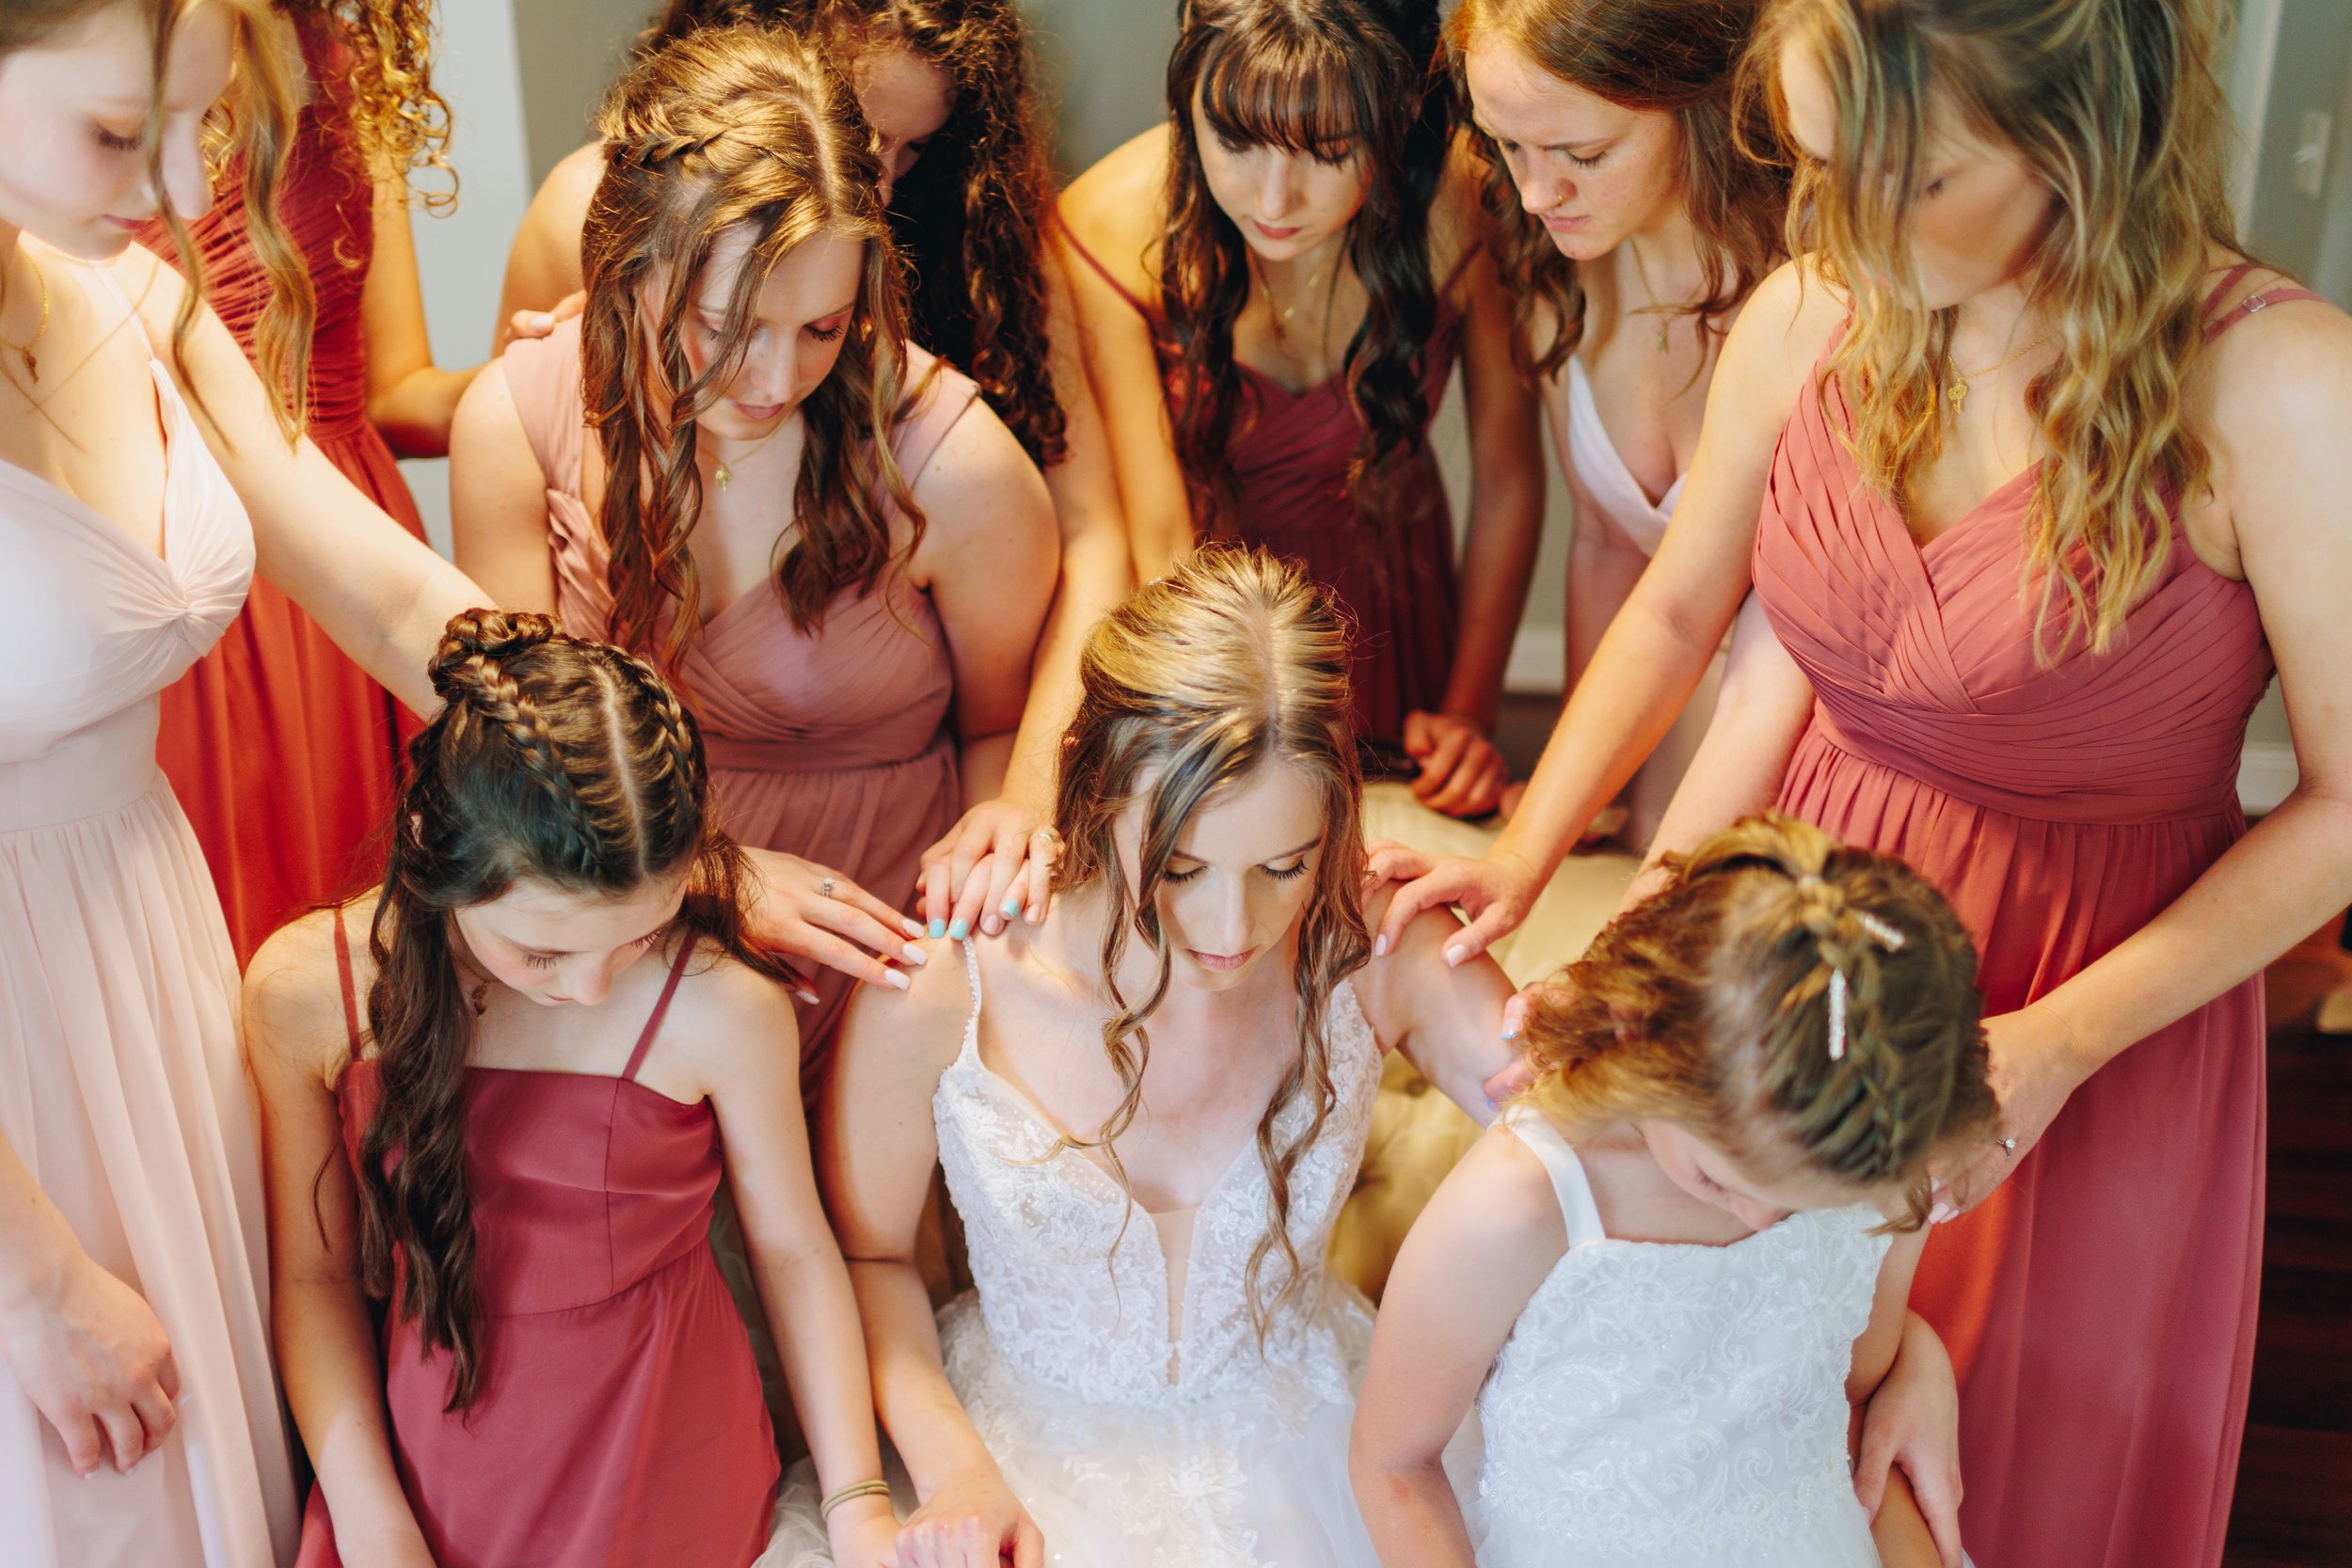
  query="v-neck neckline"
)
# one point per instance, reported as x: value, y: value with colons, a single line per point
x: 172, y: 424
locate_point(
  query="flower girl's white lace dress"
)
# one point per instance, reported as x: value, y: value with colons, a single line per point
x: 1673, y: 1406
x: 1133, y: 1444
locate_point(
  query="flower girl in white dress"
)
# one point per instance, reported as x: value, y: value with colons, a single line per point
x: 1149, y: 1111
x: 1678, y: 1263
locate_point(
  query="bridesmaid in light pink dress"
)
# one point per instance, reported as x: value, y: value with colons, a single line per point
x: 139, y: 486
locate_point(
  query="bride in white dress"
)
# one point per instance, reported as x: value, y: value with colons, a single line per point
x: 1149, y: 1117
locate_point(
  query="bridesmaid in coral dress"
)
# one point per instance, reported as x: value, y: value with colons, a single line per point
x: 1988, y: 663
x: 282, y: 751
x: 142, y: 478
x: 1273, y: 299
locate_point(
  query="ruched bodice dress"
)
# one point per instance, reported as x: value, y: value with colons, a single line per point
x: 1291, y: 457
x: 122, y: 1087
x: 283, y: 752
x: 831, y: 742
x: 2099, y: 1305
x: 619, y: 1424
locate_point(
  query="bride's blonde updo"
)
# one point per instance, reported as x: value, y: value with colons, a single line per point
x: 1233, y: 662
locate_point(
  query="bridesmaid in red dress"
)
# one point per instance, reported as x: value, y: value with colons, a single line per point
x: 2035, y: 528
x: 283, y: 752
x: 1281, y: 280
x: 501, y: 1125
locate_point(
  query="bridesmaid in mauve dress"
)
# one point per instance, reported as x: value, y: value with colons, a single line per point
x: 140, y: 480
x: 858, y: 680
x: 1273, y: 300
x: 283, y: 752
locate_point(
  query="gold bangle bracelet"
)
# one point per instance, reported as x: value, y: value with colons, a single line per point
x: 854, y: 1490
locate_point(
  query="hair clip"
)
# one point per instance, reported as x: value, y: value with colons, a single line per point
x: 1837, y: 1014
x: 1888, y: 936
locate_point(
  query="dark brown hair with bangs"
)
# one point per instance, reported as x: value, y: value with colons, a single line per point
x: 1333, y: 79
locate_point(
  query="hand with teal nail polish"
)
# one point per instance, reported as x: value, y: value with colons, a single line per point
x: 959, y: 929
x: 939, y: 928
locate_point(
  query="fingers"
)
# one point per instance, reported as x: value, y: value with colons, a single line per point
x: 1497, y: 922
x: 821, y: 946
x: 1434, y: 888
x: 1871, y: 1466
x: 1476, y: 784
x: 1437, y: 769
x: 1028, y: 1545
x: 1390, y: 862
x: 85, y: 1443
x: 157, y: 1415
x: 879, y: 911
x: 939, y: 896
x: 1508, y: 1082
x: 1420, y: 734
x: 1045, y: 857
x: 972, y: 902
x: 1007, y: 876
x: 1514, y: 1010
x: 570, y: 305
x: 1938, y: 1495
x: 124, y: 1435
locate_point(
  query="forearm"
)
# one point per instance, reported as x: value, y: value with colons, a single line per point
x: 1642, y: 672
x: 1410, y: 1512
x: 982, y: 764
x: 413, y: 413
x: 1506, y: 527
x: 814, y: 1315
x: 1097, y: 575
x: 334, y: 1384
x: 36, y: 1245
x: 918, y: 1407
x: 2287, y: 877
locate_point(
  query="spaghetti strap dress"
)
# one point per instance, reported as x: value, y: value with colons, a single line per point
x: 1291, y: 454
x: 284, y: 753
x: 619, y: 1423
x: 831, y: 741
x: 122, y: 1088
x: 2099, y: 1304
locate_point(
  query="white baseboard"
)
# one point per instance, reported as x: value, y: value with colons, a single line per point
x: 2267, y: 774
x: 2266, y: 771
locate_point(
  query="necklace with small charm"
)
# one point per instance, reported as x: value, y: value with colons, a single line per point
x: 1323, y: 275
x: 725, y: 471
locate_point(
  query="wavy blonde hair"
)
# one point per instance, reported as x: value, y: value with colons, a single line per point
x: 1673, y: 56
x: 400, y: 123
x: 1233, y: 662
x: 2113, y: 106
x: 735, y: 128
x: 1708, y: 1007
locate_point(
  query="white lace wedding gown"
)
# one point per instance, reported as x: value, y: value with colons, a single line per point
x: 1129, y: 1447
x: 1671, y: 1407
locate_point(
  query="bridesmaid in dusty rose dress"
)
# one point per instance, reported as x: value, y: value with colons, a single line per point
x: 2056, y: 746
x: 141, y: 479
x: 844, y: 557
x: 1277, y: 285
x: 281, y: 750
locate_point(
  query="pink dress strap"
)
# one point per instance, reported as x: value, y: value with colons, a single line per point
x: 1096, y: 263
x: 2260, y: 299
x: 661, y: 1010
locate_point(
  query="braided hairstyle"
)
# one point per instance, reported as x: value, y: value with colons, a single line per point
x: 734, y: 131
x: 1231, y: 662
x: 971, y: 217
x: 565, y: 761
x: 1713, y: 1005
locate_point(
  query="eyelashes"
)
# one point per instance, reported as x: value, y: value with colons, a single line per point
x: 1292, y: 875
x: 548, y: 960
x: 114, y: 143
x: 827, y: 334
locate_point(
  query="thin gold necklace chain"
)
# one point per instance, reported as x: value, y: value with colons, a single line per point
x: 1958, y: 391
x: 1657, y: 308
x: 24, y: 350
x: 725, y: 472
x: 1283, y: 314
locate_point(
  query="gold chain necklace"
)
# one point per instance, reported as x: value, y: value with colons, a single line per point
x: 1958, y: 391
x: 1284, y: 314
x: 24, y: 350
x: 1653, y: 308
x: 725, y: 475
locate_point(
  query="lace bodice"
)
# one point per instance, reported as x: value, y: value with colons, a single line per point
x: 1071, y: 1282
x: 1677, y: 1404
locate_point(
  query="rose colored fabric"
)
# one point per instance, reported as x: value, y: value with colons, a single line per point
x: 121, y: 1086
x: 281, y: 750
x: 2100, y: 1304
x: 1291, y: 457
x: 620, y: 1422
x: 831, y: 742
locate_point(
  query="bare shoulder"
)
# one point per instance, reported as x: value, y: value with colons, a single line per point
x: 2279, y: 374
x: 486, y: 415
x: 1117, y: 209
x: 910, y: 1034
x: 1498, y: 1196
x: 731, y: 1020
x: 293, y: 996
x: 1417, y: 960
x: 1457, y: 218
x: 1781, y: 330
x: 560, y: 204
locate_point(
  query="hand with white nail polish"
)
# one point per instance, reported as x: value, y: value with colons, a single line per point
x: 804, y: 910
x: 90, y: 1355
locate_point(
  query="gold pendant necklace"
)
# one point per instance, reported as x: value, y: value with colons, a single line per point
x: 1957, y: 393
x: 24, y: 350
x: 1656, y: 310
x: 725, y: 475
x: 1285, y: 314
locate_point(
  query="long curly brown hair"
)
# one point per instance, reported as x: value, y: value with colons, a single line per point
x: 970, y: 216
x: 1233, y: 662
x: 741, y: 130
x: 1709, y: 1005
x: 2114, y: 106
x: 564, y: 761
x: 1674, y: 56
x: 402, y: 124
x: 1308, y: 76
